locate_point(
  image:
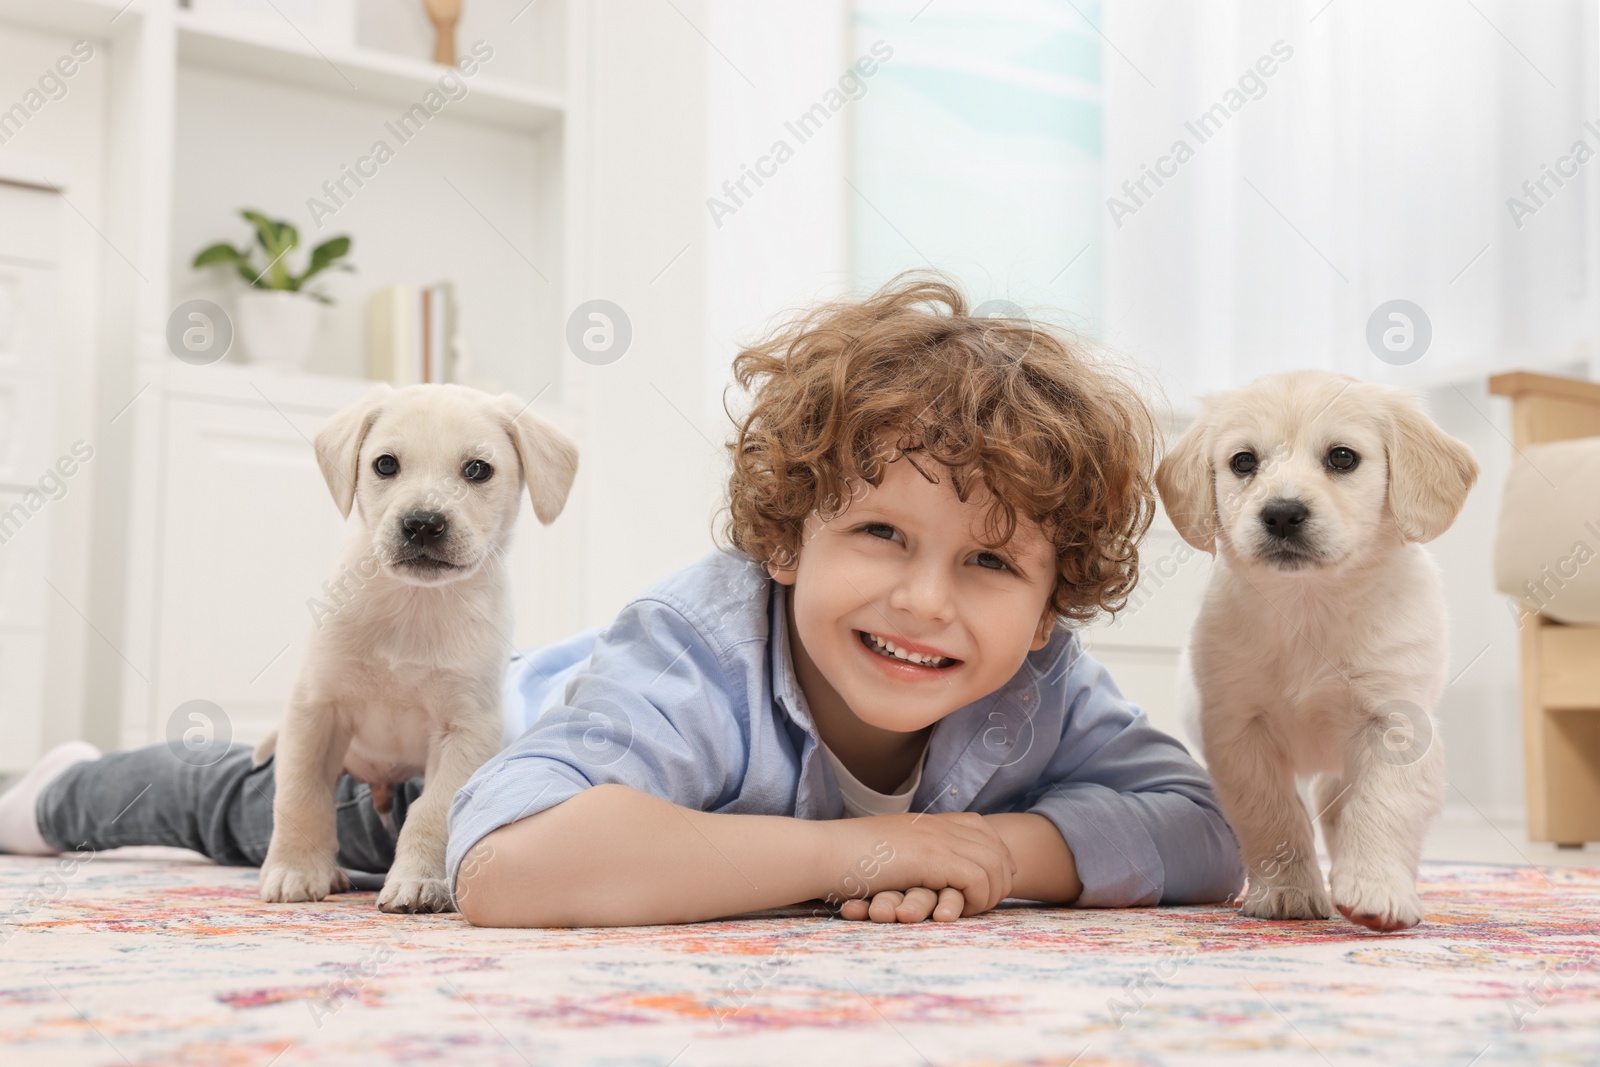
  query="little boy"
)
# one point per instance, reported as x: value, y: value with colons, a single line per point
x: 918, y: 499
x: 873, y: 698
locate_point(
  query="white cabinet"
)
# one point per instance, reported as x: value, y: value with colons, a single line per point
x: 30, y: 484
x: 248, y: 533
x: 27, y: 305
x: 235, y: 531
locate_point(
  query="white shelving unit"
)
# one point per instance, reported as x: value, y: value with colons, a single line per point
x: 210, y: 581
x: 362, y: 73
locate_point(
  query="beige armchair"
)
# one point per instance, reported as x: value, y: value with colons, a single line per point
x: 1542, y: 560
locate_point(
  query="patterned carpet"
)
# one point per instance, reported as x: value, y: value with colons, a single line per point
x: 117, y: 960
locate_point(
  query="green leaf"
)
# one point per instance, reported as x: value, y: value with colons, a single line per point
x: 323, y: 257
x: 221, y: 252
x: 328, y: 251
x: 277, y: 240
x: 248, y: 273
x: 266, y: 230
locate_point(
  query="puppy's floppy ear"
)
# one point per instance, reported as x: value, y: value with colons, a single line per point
x: 1429, y: 471
x: 549, y: 457
x: 338, y: 446
x: 1188, y: 489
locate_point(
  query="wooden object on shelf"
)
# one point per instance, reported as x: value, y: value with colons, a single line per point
x: 1560, y: 663
x: 444, y: 14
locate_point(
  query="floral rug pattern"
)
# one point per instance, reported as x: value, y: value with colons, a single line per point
x: 119, y: 960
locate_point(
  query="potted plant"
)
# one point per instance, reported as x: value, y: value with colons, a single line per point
x: 277, y: 313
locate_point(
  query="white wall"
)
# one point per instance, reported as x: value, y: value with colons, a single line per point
x: 787, y: 244
x: 672, y: 118
x: 646, y: 480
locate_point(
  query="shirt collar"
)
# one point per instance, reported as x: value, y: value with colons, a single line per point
x: 818, y: 795
x: 785, y: 683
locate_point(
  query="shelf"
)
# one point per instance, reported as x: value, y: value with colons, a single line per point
x: 257, y: 383
x: 94, y: 19
x: 364, y: 74
x: 32, y: 172
x: 293, y: 392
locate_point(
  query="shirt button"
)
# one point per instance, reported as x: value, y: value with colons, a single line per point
x: 952, y: 790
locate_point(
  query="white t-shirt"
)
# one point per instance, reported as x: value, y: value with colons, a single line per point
x: 860, y: 800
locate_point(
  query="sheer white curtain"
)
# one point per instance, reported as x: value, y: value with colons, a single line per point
x: 1374, y: 163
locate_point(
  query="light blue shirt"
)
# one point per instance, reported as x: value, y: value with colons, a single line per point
x: 690, y: 695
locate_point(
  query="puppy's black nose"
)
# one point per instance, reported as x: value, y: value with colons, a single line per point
x: 423, y: 527
x: 1282, y: 518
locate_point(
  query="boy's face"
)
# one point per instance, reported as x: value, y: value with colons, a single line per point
x: 904, y: 564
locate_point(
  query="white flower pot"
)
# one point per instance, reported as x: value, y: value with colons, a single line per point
x: 277, y: 328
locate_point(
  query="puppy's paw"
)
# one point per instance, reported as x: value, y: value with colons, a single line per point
x: 407, y: 896
x: 1384, y: 906
x: 1286, y: 902
x: 289, y: 883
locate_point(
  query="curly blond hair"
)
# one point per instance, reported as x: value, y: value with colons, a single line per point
x: 1006, y: 402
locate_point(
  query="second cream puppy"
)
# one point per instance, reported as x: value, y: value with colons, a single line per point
x: 1320, y: 648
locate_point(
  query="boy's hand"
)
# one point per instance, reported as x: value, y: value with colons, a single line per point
x: 945, y: 865
x: 912, y: 906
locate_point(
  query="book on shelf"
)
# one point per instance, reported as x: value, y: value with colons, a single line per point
x: 411, y: 334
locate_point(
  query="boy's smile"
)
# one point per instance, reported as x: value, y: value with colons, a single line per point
x: 899, y: 615
x: 907, y: 658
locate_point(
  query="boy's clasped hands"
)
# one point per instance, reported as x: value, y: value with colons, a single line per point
x: 914, y: 867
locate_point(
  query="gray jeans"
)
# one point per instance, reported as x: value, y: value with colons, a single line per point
x: 149, y: 796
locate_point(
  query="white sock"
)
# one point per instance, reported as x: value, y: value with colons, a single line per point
x: 19, y: 827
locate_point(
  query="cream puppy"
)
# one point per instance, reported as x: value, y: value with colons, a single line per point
x: 1321, y: 646
x: 403, y: 675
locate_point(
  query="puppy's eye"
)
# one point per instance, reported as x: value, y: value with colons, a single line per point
x: 386, y: 466
x: 1342, y: 459
x: 1242, y: 463
x: 477, y: 470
